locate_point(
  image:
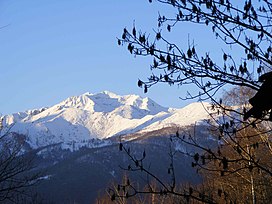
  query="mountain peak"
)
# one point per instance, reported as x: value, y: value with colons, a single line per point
x: 110, y: 94
x: 99, y: 115
x: 107, y: 101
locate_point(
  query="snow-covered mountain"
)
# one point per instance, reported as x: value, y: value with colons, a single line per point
x: 98, y: 116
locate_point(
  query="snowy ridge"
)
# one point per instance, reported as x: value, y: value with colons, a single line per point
x: 190, y: 114
x: 98, y: 116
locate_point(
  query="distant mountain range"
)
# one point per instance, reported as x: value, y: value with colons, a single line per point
x: 76, y: 142
x: 79, y: 119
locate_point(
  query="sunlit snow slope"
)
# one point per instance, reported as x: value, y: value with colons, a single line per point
x: 98, y: 116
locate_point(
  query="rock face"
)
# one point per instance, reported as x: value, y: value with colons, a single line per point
x: 97, y: 116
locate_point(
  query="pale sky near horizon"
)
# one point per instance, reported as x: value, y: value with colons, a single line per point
x: 51, y: 50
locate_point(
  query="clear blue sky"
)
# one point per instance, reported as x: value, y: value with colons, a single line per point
x: 51, y: 50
